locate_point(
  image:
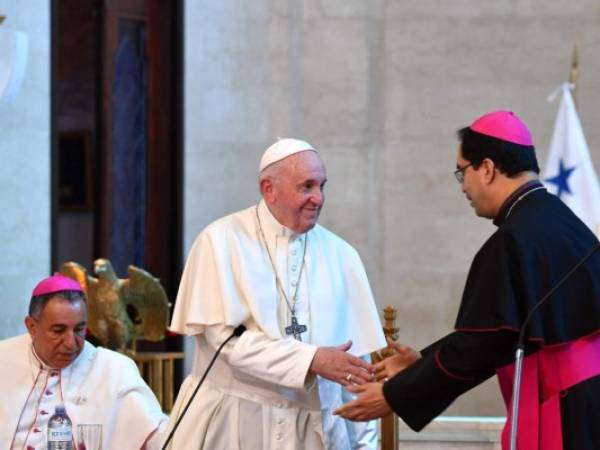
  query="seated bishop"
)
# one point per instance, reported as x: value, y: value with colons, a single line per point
x: 54, y: 365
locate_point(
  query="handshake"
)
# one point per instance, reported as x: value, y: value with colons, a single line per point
x: 336, y: 364
x: 362, y: 378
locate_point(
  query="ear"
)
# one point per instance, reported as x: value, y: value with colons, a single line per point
x: 488, y: 168
x: 267, y: 190
x: 30, y: 324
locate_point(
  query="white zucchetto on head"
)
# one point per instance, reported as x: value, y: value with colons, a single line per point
x: 282, y: 149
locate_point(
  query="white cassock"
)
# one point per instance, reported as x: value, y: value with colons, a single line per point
x: 259, y: 395
x: 100, y: 386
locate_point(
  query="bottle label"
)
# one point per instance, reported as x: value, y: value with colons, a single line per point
x: 60, y: 434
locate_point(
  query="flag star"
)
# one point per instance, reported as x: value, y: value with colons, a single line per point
x: 562, y: 179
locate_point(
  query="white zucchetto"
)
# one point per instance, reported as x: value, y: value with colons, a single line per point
x: 282, y: 149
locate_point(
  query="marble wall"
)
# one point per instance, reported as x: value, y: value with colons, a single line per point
x: 379, y: 87
x: 25, y: 169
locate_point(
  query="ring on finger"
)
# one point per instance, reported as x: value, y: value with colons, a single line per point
x: 349, y: 378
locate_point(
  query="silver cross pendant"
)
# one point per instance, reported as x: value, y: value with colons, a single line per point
x: 296, y: 329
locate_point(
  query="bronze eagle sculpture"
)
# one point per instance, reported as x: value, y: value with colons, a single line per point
x: 120, y: 310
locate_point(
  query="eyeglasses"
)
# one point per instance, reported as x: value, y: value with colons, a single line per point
x: 460, y: 173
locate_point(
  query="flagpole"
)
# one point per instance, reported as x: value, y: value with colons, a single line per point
x: 573, y: 75
x: 574, y: 72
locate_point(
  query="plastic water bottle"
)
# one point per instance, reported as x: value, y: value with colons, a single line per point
x: 60, y: 432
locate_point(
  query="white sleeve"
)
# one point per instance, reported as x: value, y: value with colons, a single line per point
x: 156, y: 440
x: 136, y: 415
x: 284, y: 362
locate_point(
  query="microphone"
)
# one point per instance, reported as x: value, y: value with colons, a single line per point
x: 237, y: 332
x: 521, y: 347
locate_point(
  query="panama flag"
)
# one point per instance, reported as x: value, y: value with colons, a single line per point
x: 569, y: 172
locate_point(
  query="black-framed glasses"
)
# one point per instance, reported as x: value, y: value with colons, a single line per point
x: 460, y: 173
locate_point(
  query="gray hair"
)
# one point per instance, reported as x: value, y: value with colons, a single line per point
x: 271, y: 172
x: 39, y: 302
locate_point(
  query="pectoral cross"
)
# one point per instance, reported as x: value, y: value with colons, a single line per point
x: 296, y: 329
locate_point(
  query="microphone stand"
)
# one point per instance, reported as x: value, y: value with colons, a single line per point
x: 514, y: 420
x: 237, y: 332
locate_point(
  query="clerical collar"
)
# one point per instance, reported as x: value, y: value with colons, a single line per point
x: 515, y: 198
x: 271, y: 225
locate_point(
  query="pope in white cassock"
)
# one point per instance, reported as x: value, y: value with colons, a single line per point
x: 53, y: 365
x: 311, y: 321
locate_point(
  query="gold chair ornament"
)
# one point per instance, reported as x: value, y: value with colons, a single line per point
x: 121, y: 310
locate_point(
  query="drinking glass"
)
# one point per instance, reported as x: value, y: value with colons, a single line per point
x: 89, y: 436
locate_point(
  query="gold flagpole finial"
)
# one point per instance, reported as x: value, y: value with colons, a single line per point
x: 574, y: 72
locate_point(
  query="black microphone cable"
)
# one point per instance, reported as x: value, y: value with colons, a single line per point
x: 520, y: 342
x: 237, y: 332
x: 521, y: 348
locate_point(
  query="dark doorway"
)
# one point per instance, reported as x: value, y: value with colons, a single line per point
x: 117, y: 136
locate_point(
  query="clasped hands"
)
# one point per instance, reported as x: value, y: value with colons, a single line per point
x: 336, y: 364
x: 370, y: 403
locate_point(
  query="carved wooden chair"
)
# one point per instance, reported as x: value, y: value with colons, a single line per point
x: 157, y: 369
x: 389, y: 423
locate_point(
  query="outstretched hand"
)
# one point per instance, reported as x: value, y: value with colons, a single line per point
x: 336, y: 364
x: 402, y: 357
x: 370, y: 403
